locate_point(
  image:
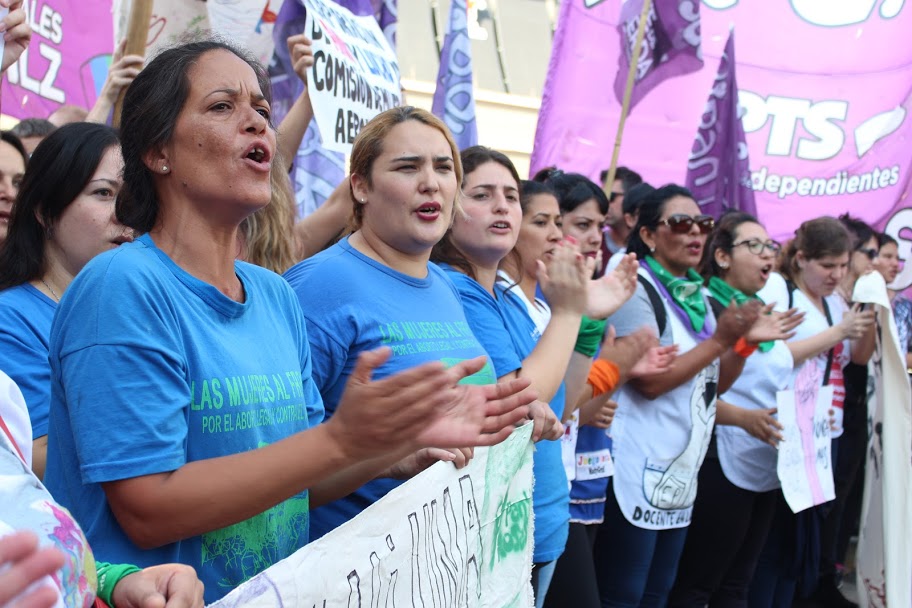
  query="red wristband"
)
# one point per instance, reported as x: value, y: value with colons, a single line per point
x: 743, y: 348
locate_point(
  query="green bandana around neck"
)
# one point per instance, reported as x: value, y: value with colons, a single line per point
x: 685, y: 291
x: 724, y: 292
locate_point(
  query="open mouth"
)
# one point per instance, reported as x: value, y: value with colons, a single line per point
x: 765, y: 271
x: 429, y: 211
x: 259, y: 154
x: 501, y: 227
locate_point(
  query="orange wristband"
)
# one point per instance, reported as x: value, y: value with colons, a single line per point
x: 603, y: 376
x: 743, y: 348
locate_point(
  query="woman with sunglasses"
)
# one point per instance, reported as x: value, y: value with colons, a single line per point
x: 738, y: 481
x: 812, y: 266
x: 652, y: 492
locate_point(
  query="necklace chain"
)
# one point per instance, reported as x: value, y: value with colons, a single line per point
x: 51, y: 289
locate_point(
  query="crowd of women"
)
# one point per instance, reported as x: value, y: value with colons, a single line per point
x: 200, y: 417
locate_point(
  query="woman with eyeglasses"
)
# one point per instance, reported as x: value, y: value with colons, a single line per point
x: 739, y: 485
x: 811, y: 268
x: 663, y: 423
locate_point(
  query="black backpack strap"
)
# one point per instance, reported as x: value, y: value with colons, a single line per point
x: 657, y: 304
x: 831, y: 354
x: 826, y: 311
x: 717, y: 307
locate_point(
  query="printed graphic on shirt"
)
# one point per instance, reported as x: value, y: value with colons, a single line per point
x: 249, y: 547
x: 673, y: 485
x: 239, y: 403
x: 413, y: 337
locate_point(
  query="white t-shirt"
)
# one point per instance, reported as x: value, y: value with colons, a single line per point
x: 15, y: 416
x: 659, y: 445
x: 815, y: 322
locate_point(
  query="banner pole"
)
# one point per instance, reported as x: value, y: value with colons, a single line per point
x: 137, y: 35
x: 628, y: 91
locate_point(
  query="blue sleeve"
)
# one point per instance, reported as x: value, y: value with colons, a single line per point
x: 121, y: 326
x: 144, y: 427
x: 315, y: 410
x: 327, y: 355
x: 24, y: 357
x: 488, y: 326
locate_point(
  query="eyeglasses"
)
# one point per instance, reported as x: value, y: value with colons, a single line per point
x: 756, y: 246
x: 871, y: 253
x: 680, y: 223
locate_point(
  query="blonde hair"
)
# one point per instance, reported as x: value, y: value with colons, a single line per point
x: 268, y: 234
x: 368, y: 147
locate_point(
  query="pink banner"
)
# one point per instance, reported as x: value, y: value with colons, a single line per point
x: 827, y: 92
x: 67, y: 60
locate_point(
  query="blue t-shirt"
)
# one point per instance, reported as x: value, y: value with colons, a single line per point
x: 151, y: 369
x: 25, y: 324
x: 508, y: 333
x: 353, y: 303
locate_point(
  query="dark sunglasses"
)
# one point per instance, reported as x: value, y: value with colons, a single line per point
x: 756, y: 246
x: 871, y: 253
x: 681, y: 223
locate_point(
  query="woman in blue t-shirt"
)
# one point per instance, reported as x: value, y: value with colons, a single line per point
x: 472, y: 252
x: 63, y: 217
x: 185, y: 422
x: 405, y: 172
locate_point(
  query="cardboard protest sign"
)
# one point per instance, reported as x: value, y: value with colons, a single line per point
x: 446, y: 538
x: 355, y: 75
x: 884, y: 556
x: 805, y: 461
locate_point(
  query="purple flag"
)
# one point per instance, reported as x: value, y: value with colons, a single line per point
x: 671, y: 44
x: 317, y: 171
x: 718, y: 171
x: 454, y: 100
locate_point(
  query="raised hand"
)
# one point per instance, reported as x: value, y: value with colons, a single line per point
x: 16, y: 33
x: 123, y: 71
x: 856, y: 322
x: 171, y: 585
x: 771, y: 325
x: 607, y: 294
x: 735, y: 321
x: 424, y: 407
x: 300, y: 48
x: 565, y: 279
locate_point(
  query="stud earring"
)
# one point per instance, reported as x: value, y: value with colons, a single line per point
x: 164, y: 168
x: 723, y: 265
x: 652, y: 250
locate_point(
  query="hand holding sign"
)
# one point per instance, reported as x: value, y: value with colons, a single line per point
x: 354, y: 75
x: 300, y: 49
x: 16, y: 32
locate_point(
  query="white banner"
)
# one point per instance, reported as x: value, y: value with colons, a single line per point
x: 355, y: 75
x: 805, y: 461
x: 445, y: 538
x: 884, y: 556
x: 248, y: 23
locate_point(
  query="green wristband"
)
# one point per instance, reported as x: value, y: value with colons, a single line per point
x: 108, y: 576
x: 590, y: 336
